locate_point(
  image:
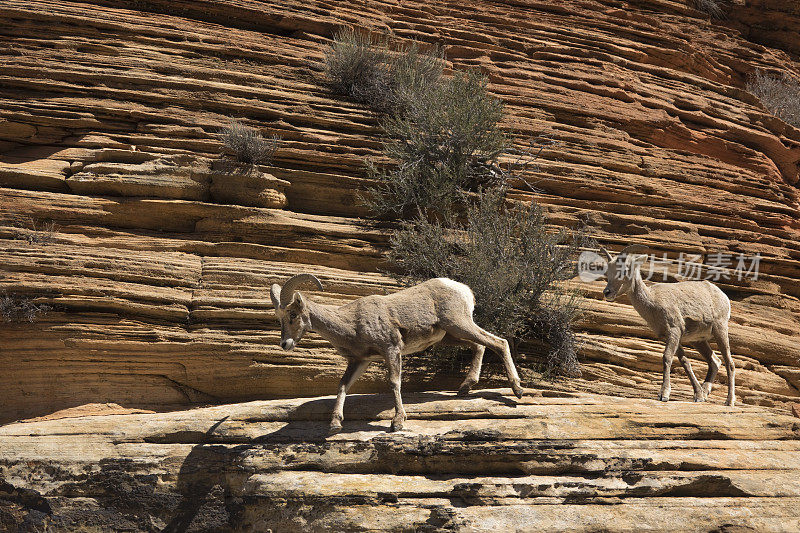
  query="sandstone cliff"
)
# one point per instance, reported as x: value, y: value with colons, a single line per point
x: 116, y: 211
x: 109, y: 113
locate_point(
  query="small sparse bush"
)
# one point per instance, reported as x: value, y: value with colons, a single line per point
x: 712, y: 8
x: 16, y: 308
x: 514, y: 265
x: 42, y: 232
x: 248, y: 145
x: 356, y: 66
x: 37, y: 231
x: 780, y: 95
x: 369, y: 72
x: 444, y: 144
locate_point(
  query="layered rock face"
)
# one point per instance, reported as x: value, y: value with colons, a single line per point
x: 554, y: 461
x: 157, y: 270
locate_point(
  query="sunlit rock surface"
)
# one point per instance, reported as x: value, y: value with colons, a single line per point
x: 552, y: 461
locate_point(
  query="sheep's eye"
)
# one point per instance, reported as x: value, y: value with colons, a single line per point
x: 292, y: 316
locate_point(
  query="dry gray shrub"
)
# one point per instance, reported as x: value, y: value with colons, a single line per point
x: 247, y: 144
x: 18, y: 308
x: 779, y: 94
x: 444, y: 141
x: 514, y: 263
x: 713, y: 8
x: 368, y: 71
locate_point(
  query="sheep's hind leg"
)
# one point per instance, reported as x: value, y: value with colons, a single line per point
x: 699, y: 393
x: 474, y: 372
x: 472, y: 332
x: 354, y: 370
x: 394, y: 365
x: 713, y: 364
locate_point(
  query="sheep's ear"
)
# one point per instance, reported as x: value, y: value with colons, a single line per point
x: 606, y: 254
x: 275, y: 294
x: 298, y: 302
x: 636, y: 260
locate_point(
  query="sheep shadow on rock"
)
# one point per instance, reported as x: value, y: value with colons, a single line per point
x: 211, y: 478
x: 362, y: 410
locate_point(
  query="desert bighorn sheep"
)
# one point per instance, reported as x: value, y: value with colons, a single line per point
x: 387, y: 327
x: 688, y: 311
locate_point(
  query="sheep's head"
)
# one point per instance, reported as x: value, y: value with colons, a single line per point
x: 621, y: 270
x: 292, y: 310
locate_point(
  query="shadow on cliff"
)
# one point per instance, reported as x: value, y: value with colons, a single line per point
x: 206, y: 500
x: 212, y: 475
x: 361, y: 413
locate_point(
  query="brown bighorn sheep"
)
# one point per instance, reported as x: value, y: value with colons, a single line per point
x: 388, y: 327
x: 688, y: 311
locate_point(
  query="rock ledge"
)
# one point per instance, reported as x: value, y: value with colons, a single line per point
x: 558, y: 460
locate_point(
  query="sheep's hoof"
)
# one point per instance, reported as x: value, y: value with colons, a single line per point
x: 397, y: 425
x: 707, y: 388
x: 699, y: 397
x: 518, y: 391
x: 466, y: 386
x: 730, y: 402
x: 663, y: 397
x: 335, y: 427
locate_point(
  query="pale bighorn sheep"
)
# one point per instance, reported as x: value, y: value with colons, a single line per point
x: 387, y: 327
x: 687, y: 311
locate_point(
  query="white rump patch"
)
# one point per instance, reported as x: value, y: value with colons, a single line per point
x: 463, y: 290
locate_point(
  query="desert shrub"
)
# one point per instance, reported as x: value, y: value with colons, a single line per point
x: 356, y: 66
x: 780, y: 95
x: 41, y: 231
x: 44, y: 232
x: 445, y: 143
x: 412, y: 74
x: 247, y: 144
x: 17, y: 308
x: 512, y: 261
x: 712, y: 8
x: 366, y: 70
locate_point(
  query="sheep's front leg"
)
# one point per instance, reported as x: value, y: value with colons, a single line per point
x: 354, y: 369
x: 672, y: 344
x: 723, y: 342
x: 395, y: 367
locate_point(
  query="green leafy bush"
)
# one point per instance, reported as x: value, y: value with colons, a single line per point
x: 780, y: 95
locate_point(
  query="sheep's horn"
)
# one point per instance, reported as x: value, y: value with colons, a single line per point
x: 634, y: 249
x: 289, y: 288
